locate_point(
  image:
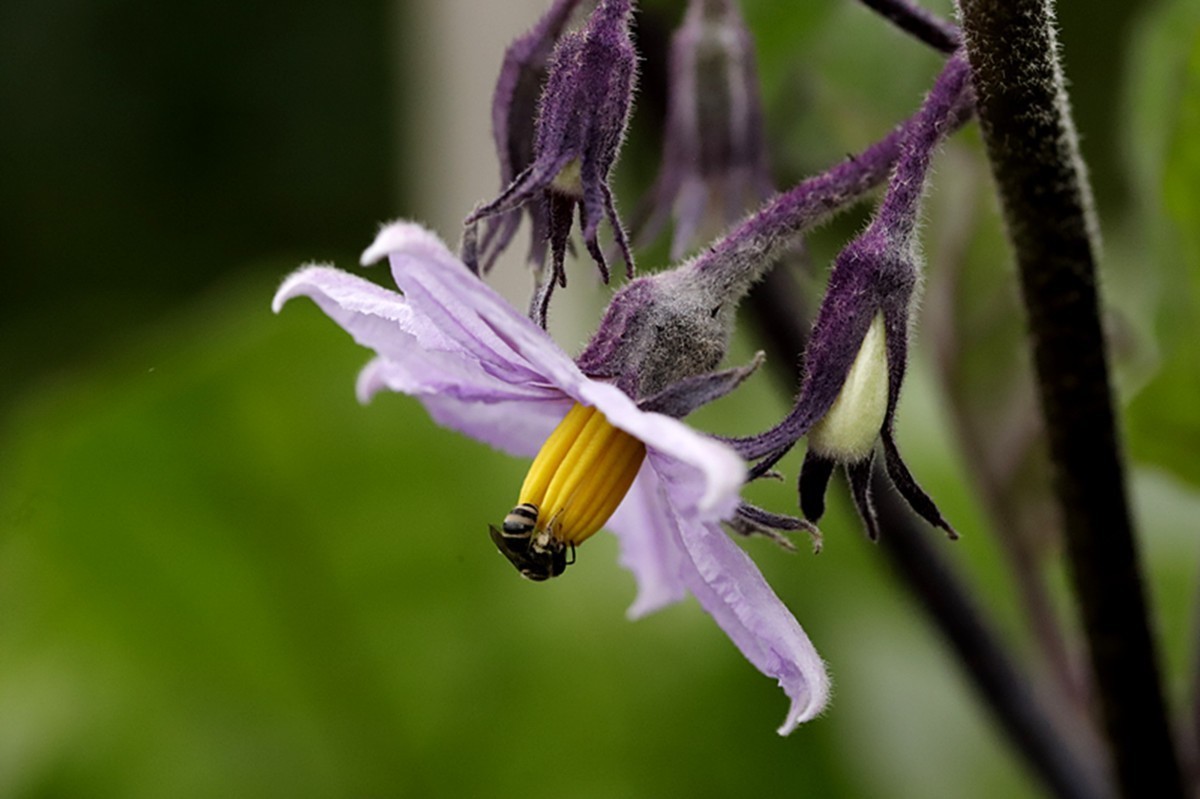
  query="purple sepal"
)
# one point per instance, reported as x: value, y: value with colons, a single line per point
x: 514, y: 111
x: 858, y: 474
x: 751, y: 520
x: 581, y: 123
x: 814, y: 479
x: 685, y: 396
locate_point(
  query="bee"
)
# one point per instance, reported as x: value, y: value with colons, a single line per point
x: 537, y: 554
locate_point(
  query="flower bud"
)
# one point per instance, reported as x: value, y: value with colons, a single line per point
x: 581, y: 122
x: 514, y: 115
x: 714, y: 153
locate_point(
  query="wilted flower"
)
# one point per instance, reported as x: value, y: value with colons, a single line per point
x: 514, y: 114
x: 714, y: 165
x: 581, y: 123
x: 600, y: 428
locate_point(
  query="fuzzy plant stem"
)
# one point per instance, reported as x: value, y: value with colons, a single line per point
x: 1068, y: 769
x: 922, y: 24
x: 1034, y: 154
x: 745, y: 254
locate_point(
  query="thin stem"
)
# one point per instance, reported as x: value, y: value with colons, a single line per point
x: 749, y: 249
x: 924, y: 25
x: 1034, y: 732
x: 1034, y: 154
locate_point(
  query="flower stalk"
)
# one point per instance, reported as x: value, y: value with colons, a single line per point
x: 1034, y: 154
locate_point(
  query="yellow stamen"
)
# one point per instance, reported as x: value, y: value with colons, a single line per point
x: 582, y: 473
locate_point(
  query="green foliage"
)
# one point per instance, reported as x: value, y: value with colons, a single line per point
x: 1164, y: 149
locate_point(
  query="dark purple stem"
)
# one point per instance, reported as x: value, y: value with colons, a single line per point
x: 924, y: 25
x: 1034, y: 155
x: 898, y: 212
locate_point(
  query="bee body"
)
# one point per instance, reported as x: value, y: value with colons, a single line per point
x: 521, y: 520
x: 536, y: 553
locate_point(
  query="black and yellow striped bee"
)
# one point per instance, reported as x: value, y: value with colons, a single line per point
x: 537, y: 553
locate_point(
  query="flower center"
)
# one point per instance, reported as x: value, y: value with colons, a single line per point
x: 582, y: 473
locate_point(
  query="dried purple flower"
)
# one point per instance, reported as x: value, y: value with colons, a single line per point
x: 856, y: 358
x: 514, y: 113
x: 581, y: 123
x: 714, y: 153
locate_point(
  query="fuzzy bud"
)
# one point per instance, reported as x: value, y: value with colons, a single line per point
x: 714, y: 152
x: 581, y: 122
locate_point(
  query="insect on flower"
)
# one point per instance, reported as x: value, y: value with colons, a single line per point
x: 537, y: 553
x: 580, y: 476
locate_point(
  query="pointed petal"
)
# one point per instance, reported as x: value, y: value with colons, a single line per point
x: 730, y: 587
x: 374, y: 316
x: 465, y: 398
x: 477, y: 397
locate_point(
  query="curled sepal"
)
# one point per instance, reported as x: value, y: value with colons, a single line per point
x: 514, y: 114
x: 754, y: 521
x: 581, y: 122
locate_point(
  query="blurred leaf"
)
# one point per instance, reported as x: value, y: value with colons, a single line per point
x: 1164, y: 157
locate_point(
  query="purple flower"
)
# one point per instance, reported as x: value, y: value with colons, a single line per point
x: 714, y: 152
x: 581, y: 123
x: 514, y: 114
x: 481, y: 368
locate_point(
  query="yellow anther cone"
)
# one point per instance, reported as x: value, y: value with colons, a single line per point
x: 582, y: 473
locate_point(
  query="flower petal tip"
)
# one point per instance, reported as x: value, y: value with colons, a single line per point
x: 398, y: 236
x: 809, y: 704
x: 296, y: 285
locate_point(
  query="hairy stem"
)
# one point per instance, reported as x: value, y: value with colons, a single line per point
x: 1034, y: 154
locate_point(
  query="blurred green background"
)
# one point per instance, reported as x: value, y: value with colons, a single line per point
x: 221, y: 576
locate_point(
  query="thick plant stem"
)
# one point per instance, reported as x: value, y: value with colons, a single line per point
x: 1034, y: 154
x: 1068, y: 769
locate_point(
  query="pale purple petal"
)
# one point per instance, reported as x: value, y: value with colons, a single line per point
x: 440, y: 288
x: 376, y: 317
x: 511, y: 419
x: 643, y: 524
x: 730, y: 587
